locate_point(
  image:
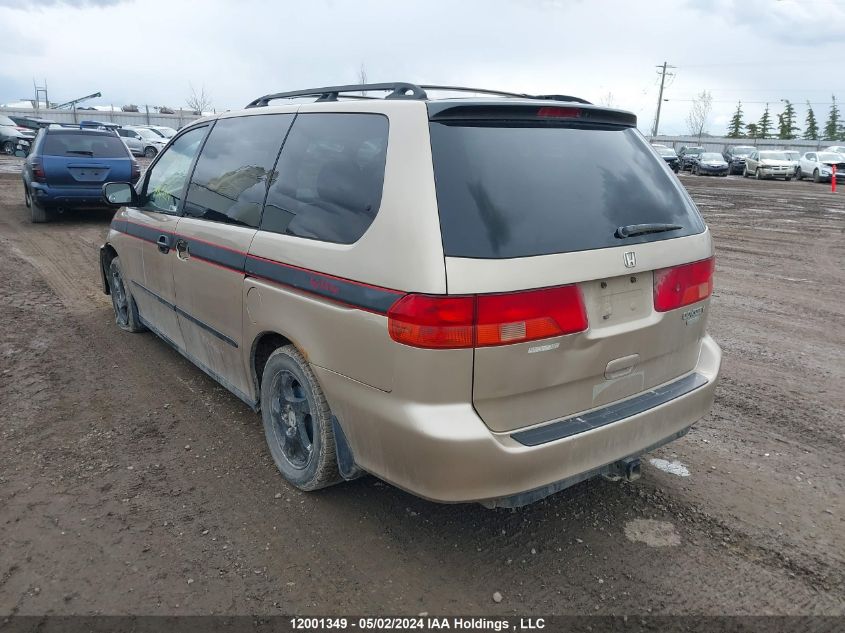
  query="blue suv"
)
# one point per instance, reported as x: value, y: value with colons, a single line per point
x: 67, y: 167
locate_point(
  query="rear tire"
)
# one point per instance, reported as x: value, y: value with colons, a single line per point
x: 297, y: 421
x: 27, y: 198
x: 38, y: 213
x: 125, y: 309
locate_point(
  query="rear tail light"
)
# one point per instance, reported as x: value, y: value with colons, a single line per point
x: 682, y: 285
x: 136, y: 172
x: 38, y: 172
x: 439, y: 322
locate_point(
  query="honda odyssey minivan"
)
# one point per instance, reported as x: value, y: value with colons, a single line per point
x: 460, y: 296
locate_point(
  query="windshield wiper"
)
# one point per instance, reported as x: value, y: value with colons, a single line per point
x: 84, y: 152
x: 632, y: 230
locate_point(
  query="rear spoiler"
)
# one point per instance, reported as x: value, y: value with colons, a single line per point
x: 575, y: 113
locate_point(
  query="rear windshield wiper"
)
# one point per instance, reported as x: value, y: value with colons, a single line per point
x: 84, y: 152
x: 632, y: 230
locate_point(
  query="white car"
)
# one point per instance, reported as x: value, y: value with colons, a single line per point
x: 819, y: 166
x: 839, y: 149
x: 153, y: 142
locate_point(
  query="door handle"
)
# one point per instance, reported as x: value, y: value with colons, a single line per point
x: 182, y: 251
x: 163, y: 244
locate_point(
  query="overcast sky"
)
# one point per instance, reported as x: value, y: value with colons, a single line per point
x: 149, y: 51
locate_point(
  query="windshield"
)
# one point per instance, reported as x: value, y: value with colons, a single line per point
x: 773, y: 156
x: 712, y: 156
x: 665, y: 151
x: 4, y: 120
x: 166, y: 132
x: 148, y: 134
x: 525, y: 189
x: 695, y: 150
x: 70, y: 143
x: 830, y: 157
x: 792, y: 155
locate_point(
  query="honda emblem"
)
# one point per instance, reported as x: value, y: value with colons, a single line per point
x: 630, y: 259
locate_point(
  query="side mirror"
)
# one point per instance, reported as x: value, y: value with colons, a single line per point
x: 119, y: 194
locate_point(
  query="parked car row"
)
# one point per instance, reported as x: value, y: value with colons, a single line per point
x: 14, y: 137
x: 760, y: 164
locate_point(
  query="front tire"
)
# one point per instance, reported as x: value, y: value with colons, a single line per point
x: 745, y: 172
x: 150, y: 152
x: 297, y: 421
x: 125, y: 309
x: 816, y: 177
x: 758, y: 174
x: 798, y: 174
x: 8, y: 148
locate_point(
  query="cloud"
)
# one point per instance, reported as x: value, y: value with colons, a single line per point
x: 796, y: 22
x: 31, y: 5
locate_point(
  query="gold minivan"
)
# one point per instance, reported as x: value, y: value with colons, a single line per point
x: 476, y: 298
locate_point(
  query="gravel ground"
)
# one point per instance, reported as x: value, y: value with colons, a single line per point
x: 133, y: 484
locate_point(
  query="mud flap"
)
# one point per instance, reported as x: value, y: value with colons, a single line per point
x: 346, y: 465
x: 103, y: 271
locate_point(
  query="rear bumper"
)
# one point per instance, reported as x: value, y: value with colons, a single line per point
x: 446, y: 453
x: 68, y: 196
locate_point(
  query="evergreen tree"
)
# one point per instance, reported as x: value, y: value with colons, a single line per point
x: 786, y: 122
x: 831, y: 128
x: 736, y: 125
x: 764, y: 125
x: 752, y: 130
x: 811, y: 132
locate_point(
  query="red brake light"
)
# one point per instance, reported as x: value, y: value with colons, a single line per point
x: 484, y: 320
x: 38, y: 172
x: 559, y: 113
x: 527, y: 316
x: 682, y: 285
x: 432, y: 321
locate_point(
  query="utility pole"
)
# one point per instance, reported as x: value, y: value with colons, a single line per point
x: 662, y: 71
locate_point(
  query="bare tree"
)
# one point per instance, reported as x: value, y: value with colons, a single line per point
x: 702, y: 105
x: 198, y: 103
x: 362, y: 77
x: 607, y: 100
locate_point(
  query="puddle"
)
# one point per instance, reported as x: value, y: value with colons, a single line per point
x: 652, y: 533
x: 674, y: 467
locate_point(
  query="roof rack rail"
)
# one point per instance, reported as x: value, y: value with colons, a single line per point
x: 396, y: 90
x: 519, y: 95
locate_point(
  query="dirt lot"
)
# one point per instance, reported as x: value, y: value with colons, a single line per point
x: 131, y: 483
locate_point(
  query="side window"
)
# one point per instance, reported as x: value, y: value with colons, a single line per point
x: 330, y: 177
x: 811, y: 157
x: 166, y: 180
x: 232, y: 172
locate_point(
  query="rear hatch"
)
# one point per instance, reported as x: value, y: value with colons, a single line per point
x: 565, y: 215
x: 84, y: 159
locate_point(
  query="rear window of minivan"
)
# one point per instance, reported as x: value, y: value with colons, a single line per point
x: 83, y: 144
x: 521, y: 189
